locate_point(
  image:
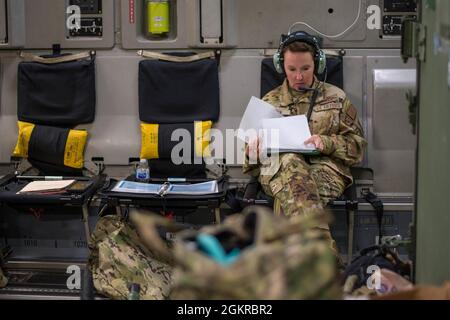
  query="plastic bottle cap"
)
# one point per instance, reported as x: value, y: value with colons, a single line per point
x: 135, y: 287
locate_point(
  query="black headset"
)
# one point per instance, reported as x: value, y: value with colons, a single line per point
x: 320, y: 60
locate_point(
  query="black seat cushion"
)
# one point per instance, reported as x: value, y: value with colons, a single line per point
x: 174, y: 92
x: 61, y: 94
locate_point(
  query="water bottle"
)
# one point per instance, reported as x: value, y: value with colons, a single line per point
x: 143, y: 171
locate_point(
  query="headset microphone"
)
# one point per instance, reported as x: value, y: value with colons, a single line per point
x: 305, y: 89
x: 300, y: 36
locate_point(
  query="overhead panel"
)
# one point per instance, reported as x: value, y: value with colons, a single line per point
x: 400, y: 5
x: 83, y: 24
x: 91, y: 20
x: 152, y: 24
x: 88, y: 6
x: 394, y: 13
x: 12, y: 24
x: 3, y: 22
x: 211, y: 21
x: 261, y: 22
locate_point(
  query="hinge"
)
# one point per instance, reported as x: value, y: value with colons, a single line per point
x: 412, y: 110
x: 413, y: 40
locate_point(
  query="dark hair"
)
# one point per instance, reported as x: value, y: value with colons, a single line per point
x: 298, y: 46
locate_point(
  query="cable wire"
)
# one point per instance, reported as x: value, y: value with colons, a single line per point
x: 326, y: 35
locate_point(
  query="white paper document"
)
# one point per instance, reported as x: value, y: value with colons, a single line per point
x: 280, y: 134
x: 208, y: 187
x: 256, y: 111
x: 46, y: 186
x: 287, y: 134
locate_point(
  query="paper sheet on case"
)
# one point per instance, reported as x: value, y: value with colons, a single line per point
x: 292, y: 132
x: 256, y: 111
x: 42, y: 186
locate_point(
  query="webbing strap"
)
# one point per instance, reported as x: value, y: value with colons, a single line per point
x: 377, y: 204
x: 313, y: 102
x: 166, y: 57
x: 53, y: 60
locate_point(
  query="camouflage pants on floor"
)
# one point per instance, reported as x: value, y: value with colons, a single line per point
x: 300, y: 188
x: 119, y: 258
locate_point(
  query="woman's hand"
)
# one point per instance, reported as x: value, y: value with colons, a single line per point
x: 316, y: 141
x: 253, y: 149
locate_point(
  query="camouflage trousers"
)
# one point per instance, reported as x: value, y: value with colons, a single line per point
x: 3, y: 279
x: 118, y: 258
x: 300, y: 188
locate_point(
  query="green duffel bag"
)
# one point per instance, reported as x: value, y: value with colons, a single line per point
x: 120, y: 257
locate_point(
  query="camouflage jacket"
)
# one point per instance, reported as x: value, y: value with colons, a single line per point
x: 334, y: 118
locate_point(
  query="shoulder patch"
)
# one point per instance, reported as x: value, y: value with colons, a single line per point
x: 333, y: 98
x: 350, y: 115
x: 327, y: 106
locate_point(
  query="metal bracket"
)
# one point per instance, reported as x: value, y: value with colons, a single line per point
x: 100, y: 163
x: 412, y: 109
x: 363, y: 189
x: 20, y: 165
x: 211, y: 40
x: 413, y: 40
x: 91, y: 167
x: 218, y: 169
x: 394, y: 241
x: 95, y: 166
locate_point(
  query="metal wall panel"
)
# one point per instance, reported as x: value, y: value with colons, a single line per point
x: 211, y: 17
x: 56, y: 234
x: 115, y: 134
x: 261, y: 22
x: 433, y: 171
x: 395, y: 222
x: 253, y: 24
x: 3, y: 22
x: 14, y: 25
x: 392, y: 145
x: 46, y: 25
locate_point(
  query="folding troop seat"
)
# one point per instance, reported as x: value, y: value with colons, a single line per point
x: 55, y: 94
x: 178, y: 104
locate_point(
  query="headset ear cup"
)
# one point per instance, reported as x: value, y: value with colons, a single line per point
x: 322, y: 62
x: 277, y: 63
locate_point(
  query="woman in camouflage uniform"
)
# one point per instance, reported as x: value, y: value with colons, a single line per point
x: 303, y: 184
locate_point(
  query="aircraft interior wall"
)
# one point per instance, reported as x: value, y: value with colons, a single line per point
x: 115, y: 134
x: 375, y: 79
